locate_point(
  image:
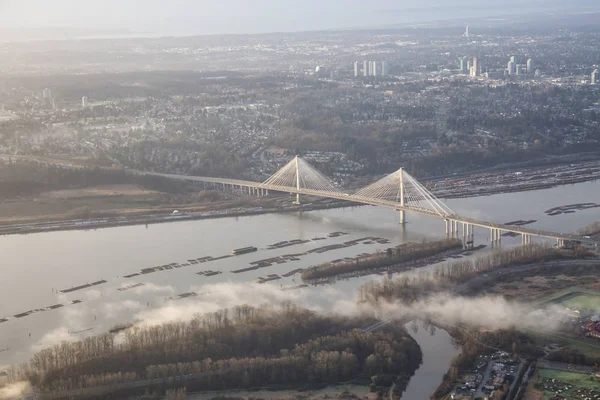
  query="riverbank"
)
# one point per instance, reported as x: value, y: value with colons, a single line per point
x: 125, y: 219
x: 90, y: 211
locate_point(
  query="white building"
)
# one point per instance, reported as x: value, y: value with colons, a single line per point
x: 375, y: 69
x: 595, y: 79
x: 530, y: 66
x: 475, y: 67
x: 384, y: 68
x: 84, y: 101
x: 366, y: 68
x: 47, y: 93
x: 356, y: 69
x: 511, y: 67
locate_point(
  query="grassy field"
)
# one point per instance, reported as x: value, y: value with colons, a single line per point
x: 584, y: 301
x: 579, y: 381
x: 574, y: 297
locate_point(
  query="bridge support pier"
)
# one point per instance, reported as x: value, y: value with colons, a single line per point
x: 402, y: 218
x: 447, y: 232
x: 495, y: 237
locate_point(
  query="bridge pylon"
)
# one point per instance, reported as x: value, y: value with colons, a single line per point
x: 401, y: 195
x: 299, y: 177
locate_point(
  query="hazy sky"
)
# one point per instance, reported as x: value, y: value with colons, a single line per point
x: 246, y: 16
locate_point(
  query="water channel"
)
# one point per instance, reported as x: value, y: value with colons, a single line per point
x: 37, y: 266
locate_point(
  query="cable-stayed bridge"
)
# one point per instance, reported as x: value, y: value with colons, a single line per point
x: 398, y: 191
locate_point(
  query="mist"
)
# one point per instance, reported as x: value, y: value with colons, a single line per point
x: 14, y: 390
x: 186, y: 17
x: 489, y: 312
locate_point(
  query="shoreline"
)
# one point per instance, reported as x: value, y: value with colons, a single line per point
x: 117, y: 219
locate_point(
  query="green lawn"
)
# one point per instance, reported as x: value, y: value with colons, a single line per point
x: 584, y: 301
x: 574, y: 297
x: 582, y: 381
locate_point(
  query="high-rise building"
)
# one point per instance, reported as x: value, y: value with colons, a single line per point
x: 366, y: 69
x: 384, y: 68
x: 467, y: 31
x: 47, y: 93
x: 519, y: 69
x: 464, y: 65
x: 530, y: 66
x: 511, y: 67
x: 475, y: 67
x: 356, y: 69
x: 596, y: 76
x: 513, y: 59
x: 84, y: 101
x: 375, y: 71
x: 53, y: 102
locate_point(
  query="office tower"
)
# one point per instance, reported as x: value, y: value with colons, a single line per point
x: 511, y: 67
x: 467, y: 31
x: 375, y: 68
x: 530, y: 66
x: 475, y: 67
x: 356, y: 69
x: 84, y: 101
x: 519, y: 69
x: 384, y: 68
x: 366, y: 71
x: 47, y: 93
x: 53, y: 102
x: 464, y: 64
x: 596, y: 76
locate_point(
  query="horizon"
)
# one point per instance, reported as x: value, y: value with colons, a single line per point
x: 187, y: 18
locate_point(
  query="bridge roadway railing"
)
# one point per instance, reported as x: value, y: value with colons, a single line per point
x: 381, y: 203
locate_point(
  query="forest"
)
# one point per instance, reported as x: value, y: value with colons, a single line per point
x: 24, y: 178
x: 403, y: 253
x: 242, y: 347
x: 409, y: 289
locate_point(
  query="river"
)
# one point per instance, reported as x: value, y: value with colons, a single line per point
x: 36, y: 266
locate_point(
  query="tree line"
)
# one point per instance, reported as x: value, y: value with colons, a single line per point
x: 409, y: 289
x: 590, y: 229
x: 392, y: 256
x: 239, y: 347
x: 24, y: 178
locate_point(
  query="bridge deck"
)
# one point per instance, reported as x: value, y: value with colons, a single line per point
x: 382, y: 203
